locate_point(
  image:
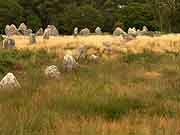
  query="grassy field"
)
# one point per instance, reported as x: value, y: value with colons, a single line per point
x: 133, y: 94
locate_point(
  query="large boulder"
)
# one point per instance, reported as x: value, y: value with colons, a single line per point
x: 22, y: 29
x: 52, y: 30
x: 9, y: 43
x: 69, y: 63
x: 118, y: 32
x: 9, y: 82
x: 40, y: 32
x: 84, y: 32
x: 11, y: 30
x: 98, y: 31
x: 32, y: 39
x: 52, y: 72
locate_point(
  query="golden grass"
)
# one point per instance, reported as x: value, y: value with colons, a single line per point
x: 161, y: 44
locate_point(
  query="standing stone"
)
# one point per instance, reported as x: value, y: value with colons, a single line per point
x: 69, y: 62
x: 144, y: 30
x: 84, y: 32
x: 98, y: 31
x: 75, y: 31
x: 28, y: 32
x: 9, y: 82
x: 40, y: 32
x: 32, y: 39
x: 132, y: 31
x: 11, y: 30
x: 52, y: 72
x: 138, y: 32
x: 46, y: 34
x: 52, y: 30
x: 118, y: 32
x: 81, y: 52
x: 7, y: 28
x: 22, y: 29
x: 9, y: 43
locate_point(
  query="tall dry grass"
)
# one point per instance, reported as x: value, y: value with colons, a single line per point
x: 134, y: 94
x: 160, y: 44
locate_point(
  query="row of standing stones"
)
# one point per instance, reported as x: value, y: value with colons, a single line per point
x: 51, y: 30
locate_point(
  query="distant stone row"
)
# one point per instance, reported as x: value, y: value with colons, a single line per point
x: 11, y: 30
x: 51, y: 30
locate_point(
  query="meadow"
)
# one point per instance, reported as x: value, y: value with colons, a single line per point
x: 130, y: 94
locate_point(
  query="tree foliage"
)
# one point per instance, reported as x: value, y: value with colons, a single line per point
x: 66, y: 14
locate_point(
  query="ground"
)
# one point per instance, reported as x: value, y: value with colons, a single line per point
x: 131, y: 94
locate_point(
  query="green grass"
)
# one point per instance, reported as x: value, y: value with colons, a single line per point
x: 109, y: 98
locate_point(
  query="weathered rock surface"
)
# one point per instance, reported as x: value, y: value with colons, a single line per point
x: 69, y: 62
x: 52, y: 30
x: 75, y: 31
x: 132, y: 31
x: 84, y: 32
x: 9, y: 82
x: 40, y: 32
x: 52, y: 72
x: 11, y: 30
x: 22, y: 29
x: 9, y: 43
x: 118, y: 32
x: 98, y: 31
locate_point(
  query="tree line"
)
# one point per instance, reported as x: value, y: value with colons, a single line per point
x: 160, y: 15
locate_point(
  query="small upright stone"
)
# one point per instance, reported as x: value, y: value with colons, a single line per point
x: 81, y: 52
x: 98, y: 31
x: 75, y: 31
x: 7, y: 28
x: 32, y: 39
x: 46, y: 34
x: 52, y: 72
x: 29, y: 32
x: 84, y: 32
x: 118, y: 32
x: 144, y: 30
x: 40, y: 32
x: 69, y: 62
x: 52, y: 30
x: 9, y: 82
x: 132, y: 32
x: 11, y: 30
x: 22, y: 29
x: 9, y: 43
